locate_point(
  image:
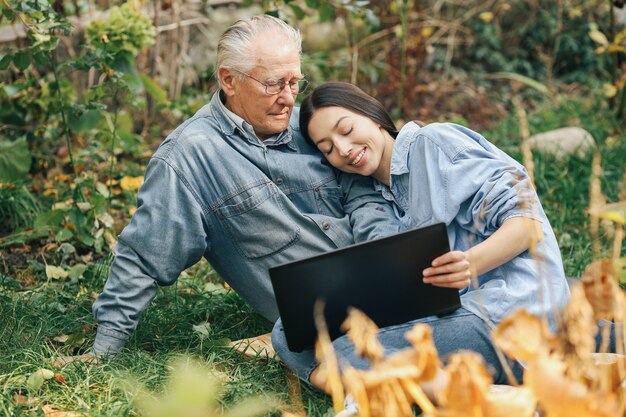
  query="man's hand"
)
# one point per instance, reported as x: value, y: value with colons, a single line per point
x: 84, y: 358
x: 451, y: 270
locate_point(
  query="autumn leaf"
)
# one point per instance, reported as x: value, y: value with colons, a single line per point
x: 49, y: 411
x: 616, y: 212
x: 362, y: 331
x: 131, y: 183
x: 601, y: 289
x: 37, y: 379
x: 522, y: 335
x: 56, y: 272
x: 598, y: 37
x: 486, y: 17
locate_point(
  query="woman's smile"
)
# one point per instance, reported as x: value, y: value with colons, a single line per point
x: 359, y: 159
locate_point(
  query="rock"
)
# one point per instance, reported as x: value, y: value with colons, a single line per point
x: 564, y: 142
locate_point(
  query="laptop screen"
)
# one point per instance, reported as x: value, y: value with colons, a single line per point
x: 382, y: 277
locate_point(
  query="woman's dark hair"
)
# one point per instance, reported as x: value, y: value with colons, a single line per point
x: 349, y: 97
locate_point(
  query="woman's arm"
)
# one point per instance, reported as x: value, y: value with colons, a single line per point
x: 454, y: 269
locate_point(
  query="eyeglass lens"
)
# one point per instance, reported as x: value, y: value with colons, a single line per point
x: 296, y: 87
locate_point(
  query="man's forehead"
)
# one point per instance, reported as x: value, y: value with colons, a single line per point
x: 278, y: 70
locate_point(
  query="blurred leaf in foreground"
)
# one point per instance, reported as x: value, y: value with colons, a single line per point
x: 615, y: 212
x: 192, y: 390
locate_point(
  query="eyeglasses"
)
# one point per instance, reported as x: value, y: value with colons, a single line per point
x: 275, y: 87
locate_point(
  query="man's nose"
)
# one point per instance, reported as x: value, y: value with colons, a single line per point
x: 286, y: 97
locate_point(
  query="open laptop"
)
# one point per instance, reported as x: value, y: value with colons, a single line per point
x: 382, y: 277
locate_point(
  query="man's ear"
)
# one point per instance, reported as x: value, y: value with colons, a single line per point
x: 226, y: 78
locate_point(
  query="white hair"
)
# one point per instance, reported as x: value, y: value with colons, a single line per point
x: 235, y: 47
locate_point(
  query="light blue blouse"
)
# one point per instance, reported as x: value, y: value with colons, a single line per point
x: 447, y: 173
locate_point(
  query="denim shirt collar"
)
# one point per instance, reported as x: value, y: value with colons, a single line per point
x: 230, y: 122
x: 399, y: 160
x: 400, y: 154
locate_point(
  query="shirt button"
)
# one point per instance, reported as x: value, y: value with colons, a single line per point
x: 278, y: 181
x: 325, y: 225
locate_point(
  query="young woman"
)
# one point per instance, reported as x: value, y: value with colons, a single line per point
x: 443, y: 172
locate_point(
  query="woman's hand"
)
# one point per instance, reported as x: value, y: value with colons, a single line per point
x: 454, y: 269
x: 451, y: 270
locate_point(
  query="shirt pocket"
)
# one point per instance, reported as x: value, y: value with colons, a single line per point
x: 329, y: 198
x: 256, y: 221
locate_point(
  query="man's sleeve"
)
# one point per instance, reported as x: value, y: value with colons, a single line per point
x: 371, y: 216
x: 166, y: 235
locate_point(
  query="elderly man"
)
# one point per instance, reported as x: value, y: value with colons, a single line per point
x: 238, y: 185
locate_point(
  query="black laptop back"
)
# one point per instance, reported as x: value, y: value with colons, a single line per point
x: 382, y: 277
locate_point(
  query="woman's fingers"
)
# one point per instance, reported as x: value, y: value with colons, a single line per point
x: 449, y: 257
x: 460, y: 266
x: 451, y: 270
x: 448, y: 263
x: 461, y: 276
x: 459, y: 285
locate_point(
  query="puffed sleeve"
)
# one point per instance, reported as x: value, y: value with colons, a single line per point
x: 456, y: 175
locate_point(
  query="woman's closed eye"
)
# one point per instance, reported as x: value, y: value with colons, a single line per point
x: 326, y: 150
x: 346, y: 131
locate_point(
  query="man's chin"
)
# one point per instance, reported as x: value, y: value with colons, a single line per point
x: 273, y: 129
x: 279, y: 125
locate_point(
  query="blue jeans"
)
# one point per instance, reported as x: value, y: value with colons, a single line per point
x: 458, y: 330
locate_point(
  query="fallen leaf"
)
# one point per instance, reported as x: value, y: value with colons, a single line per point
x: 60, y: 379
x: 486, y: 17
x: 105, y: 219
x: 37, y: 378
x: 77, y: 271
x: 61, y: 339
x: 55, y: 272
x: 131, y: 183
x: 21, y: 399
x: 63, y: 205
x: 49, y: 411
x: 598, y: 37
x: 84, y: 206
x: 203, y: 329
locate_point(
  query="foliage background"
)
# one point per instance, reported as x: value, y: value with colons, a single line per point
x: 88, y: 90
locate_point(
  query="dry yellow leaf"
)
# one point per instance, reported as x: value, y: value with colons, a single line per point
x: 577, y: 328
x: 611, y: 369
x: 486, y: 17
x: 325, y: 354
x: 598, y: 37
x: 421, y: 338
x: 522, y: 336
x: 131, y: 183
x: 49, y: 411
x: 362, y: 331
x: 467, y: 387
x: 602, y: 291
x: 615, y: 212
x: 562, y: 397
x: 508, y: 401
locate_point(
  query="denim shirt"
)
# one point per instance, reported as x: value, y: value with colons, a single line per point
x: 214, y: 190
x: 447, y: 173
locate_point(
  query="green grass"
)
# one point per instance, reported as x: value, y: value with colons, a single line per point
x: 34, y: 310
x: 563, y: 186
x: 30, y: 319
